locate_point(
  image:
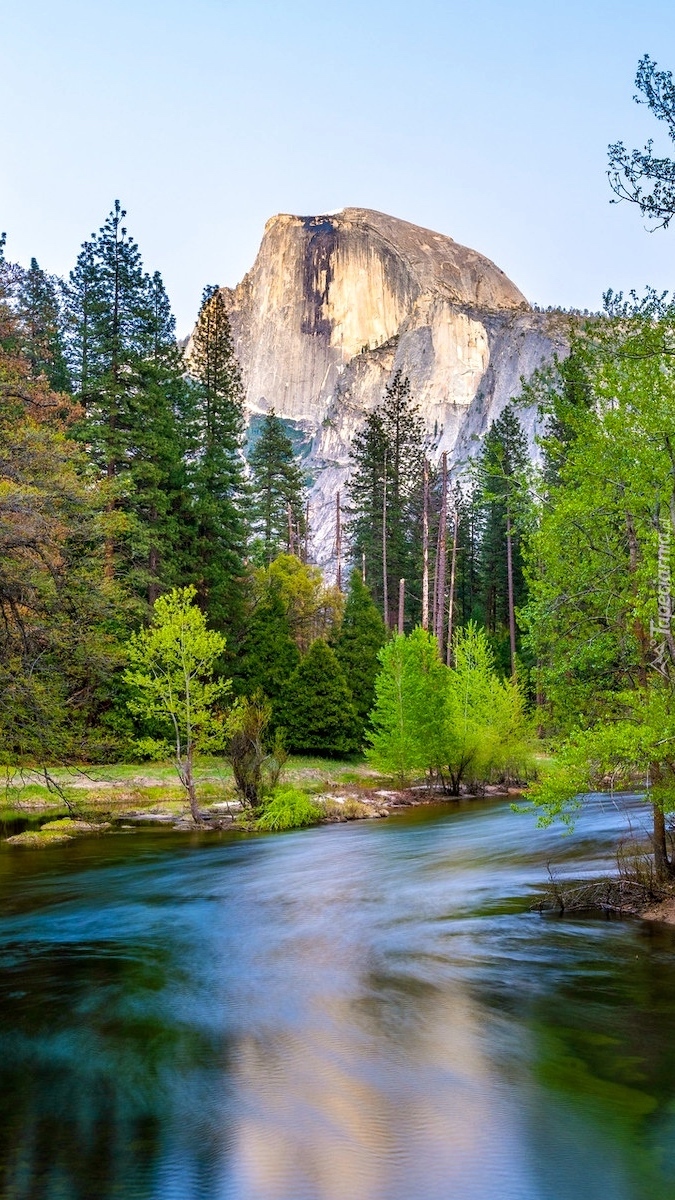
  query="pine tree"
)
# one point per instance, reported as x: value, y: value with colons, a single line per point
x: 317, y: 711
x: 277, y: 487
x: 159, y: 444
x: 386, y: 494
x: 268, y: 655
x: 40, y: 319
x: 128, y: 376
x: 500, y: 475
x: 357, y: 645
x: 217, y: 466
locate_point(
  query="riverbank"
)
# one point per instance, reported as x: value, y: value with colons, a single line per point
x: 37, y: 811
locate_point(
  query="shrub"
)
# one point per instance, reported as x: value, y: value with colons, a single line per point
x: 289, y: 808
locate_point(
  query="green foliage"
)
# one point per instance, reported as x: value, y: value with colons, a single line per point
x: 215, y: 427
x: 358, y: 643
x: 487, y: 733
x: 128, y: 376
x: 61, y: 621
x: 171, y: 679
x: 289, y: 808
x: 465, y: 723
x: 501, y: 504
x: 41, y: 324
x: 268, y: 654
x: 277, y: 486
x: 408, y: 719
x: 635, y: 746
x: 388, y: 455
x: 312, y: 610
x: 317, y: 711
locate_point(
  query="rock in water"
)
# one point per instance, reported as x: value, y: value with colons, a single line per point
x: 335, y: 304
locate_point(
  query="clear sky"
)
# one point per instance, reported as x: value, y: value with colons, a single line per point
x: 486, y: 121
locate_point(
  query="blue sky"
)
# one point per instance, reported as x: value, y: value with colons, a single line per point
x: 488, y: 122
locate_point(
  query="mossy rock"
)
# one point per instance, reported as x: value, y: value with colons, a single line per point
x: 56, y: 833
x: 35, y: 839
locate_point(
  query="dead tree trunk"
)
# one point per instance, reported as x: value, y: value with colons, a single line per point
x: 451, y: 601
x: 385, y: 590
x: 425, y: 550
x: 401, y: 604
x: 442, y: 551
x: 338, y: 543
x: 509, y: 574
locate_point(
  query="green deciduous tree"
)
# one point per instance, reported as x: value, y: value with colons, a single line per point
x: 600, y: 562
x: 408, y: 720
x: 317, y: 713
x: 487, y: 733
x: 61, y: 622
x: 171, y: 676
x: 461, y: 724
x: 312, y: 609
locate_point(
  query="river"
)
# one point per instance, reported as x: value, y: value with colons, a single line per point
x: 357, y: 1012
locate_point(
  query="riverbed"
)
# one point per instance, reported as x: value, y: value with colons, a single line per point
x: 357, y: 1012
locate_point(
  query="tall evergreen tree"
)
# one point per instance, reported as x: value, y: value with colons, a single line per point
x: 217, y: 465
x: 41, y: 323
x: 357, y: 645
x: 501, y: 498
x: 128, y: 376
x: 277, y: 487
x: 385, y: 491
x: 268, y: 654
x: 317, y: 711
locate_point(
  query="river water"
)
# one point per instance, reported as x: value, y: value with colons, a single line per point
x: 357, y: 1012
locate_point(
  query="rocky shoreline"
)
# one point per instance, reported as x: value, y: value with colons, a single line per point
x: 339, y: 805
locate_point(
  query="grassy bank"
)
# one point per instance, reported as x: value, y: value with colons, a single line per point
x: 93, y: 799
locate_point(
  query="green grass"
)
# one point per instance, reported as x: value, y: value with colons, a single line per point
x: 109, y: 791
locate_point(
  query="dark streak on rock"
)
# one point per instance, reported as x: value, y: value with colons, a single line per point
x: 318, y: 275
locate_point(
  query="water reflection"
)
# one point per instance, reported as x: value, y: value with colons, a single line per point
x: 367, y: 1012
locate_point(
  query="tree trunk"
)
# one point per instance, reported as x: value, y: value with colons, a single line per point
x: 401, y: 604
x: 338, y: 543
x: 442, y: 551
x: 662, y: 866
x: 451, y: 603
x: 509, y: 573
x: 385, y: 600
x: 188, y: 780
x: 425, y: 550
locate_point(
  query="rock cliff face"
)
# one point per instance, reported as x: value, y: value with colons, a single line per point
x: 335, y: 304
